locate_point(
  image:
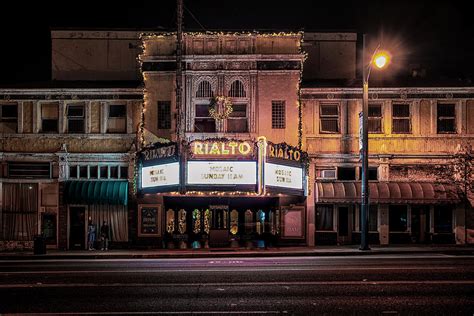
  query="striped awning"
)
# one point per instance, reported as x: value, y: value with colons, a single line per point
x: 387, y: 192
x: 96, y: 192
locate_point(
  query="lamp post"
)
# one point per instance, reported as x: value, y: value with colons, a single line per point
x: 380, y: 60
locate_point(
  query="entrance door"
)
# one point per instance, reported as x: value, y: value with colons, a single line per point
x: 343, y: 224
x: 77, y: 227
x: 420, y: 223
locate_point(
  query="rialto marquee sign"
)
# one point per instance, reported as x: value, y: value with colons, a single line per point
x: 225, y: 165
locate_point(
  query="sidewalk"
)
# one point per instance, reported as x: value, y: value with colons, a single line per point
x: 352, y: 250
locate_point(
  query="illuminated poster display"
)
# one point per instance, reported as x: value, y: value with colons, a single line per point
x: 222, y: 172
x: 283, y: 176
x: 160, y: 175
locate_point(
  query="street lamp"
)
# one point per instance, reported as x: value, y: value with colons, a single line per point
x: 380, y: 59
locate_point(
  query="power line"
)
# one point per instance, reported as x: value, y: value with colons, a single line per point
x: 195, y: 19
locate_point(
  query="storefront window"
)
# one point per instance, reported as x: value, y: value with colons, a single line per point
x: 398, y: 218
x: 324, y: 217
x: 443, y: 219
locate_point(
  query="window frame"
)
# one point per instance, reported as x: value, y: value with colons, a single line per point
x: 208, y: 117
x: 374, y: 118
x: 400, y: 118
x: 239, y: 118
x: 9, y: 119
x: 116, y: 118
x: 163, y: 110
x: 278, y: 115
x: 329, y: 117
x: 453, y: 118
x: 76, y: 118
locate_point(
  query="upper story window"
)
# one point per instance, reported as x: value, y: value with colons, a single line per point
x: 117, y: 120
x: 401, y: 122
x: 8, y: 118
x: 76, y: 118
x: 204, y: 90
x: 164, y: 114
x: 49, y: 117
x: 237, y: 90
x: 278, y: 115
x: 329, y: 118
x: 98, y: 172
x: 375, y: 118
x: 446, y: 118
x: 203, y: 123
x: 237, y: 121
x: 346, y: 173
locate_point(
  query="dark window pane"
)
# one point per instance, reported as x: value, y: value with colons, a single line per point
x: 202, y: 110
x: 330, y: 110
x: 205, y: 125
x: 75, y: 126
x: 330, y: 125
x: 446, y: 125
x: 93, y: 172
x: 117, y: 110
x: 239, y: 110
x: 446, y: 110
x: 75, y: 111
x: 443, y: 219
x: 346, y: 173
x: 104, y: 172
x: 49, y: 125
x: 397, y: 218
x: 374, y: 125
x: 9, y: 111
x: 237, y: 125
x: 114, y: 172
x: 324, y: 217
x: 123, y: 172
x: 401, y: 126
x: 82, y: 171
x: 164, y: 114
x: 73, y: 172
x: 373, y: 174
x: 401, y: 110
x: 375, y: 110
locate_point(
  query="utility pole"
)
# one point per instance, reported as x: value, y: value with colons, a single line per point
x: 180, y: 113
x: 364, y: 218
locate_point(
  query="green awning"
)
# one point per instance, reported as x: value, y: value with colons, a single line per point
x: 96, y: 192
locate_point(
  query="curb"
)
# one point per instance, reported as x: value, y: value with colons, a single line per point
x: 210, y: 255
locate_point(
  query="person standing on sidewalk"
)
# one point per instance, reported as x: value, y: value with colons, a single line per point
x: 91, y: 232
x: 105, y: 235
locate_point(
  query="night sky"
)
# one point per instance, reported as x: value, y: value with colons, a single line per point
x: 437, y: 37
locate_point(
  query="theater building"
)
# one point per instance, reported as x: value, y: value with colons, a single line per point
x: 236, y: 176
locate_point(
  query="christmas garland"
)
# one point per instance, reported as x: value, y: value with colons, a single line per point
x: 216, y: 102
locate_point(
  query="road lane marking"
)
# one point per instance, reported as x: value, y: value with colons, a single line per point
x: 231, y: 269
x: 242, y: 284
x: 157, y: 313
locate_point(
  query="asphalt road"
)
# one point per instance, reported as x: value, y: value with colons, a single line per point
x: 377, y: 284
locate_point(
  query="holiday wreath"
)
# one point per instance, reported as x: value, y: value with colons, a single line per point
x: 220, y: 102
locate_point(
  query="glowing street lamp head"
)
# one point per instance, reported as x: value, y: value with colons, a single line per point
x: 381, y: 59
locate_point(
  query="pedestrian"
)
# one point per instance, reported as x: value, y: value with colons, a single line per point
x: 91, y: 232
x: 105, y: 235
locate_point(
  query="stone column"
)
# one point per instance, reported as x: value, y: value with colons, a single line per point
x: 383, y: 224
x: 310, y: 207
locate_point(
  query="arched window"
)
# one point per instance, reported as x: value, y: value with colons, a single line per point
x: 204, y: 90
x: 237, y: 89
